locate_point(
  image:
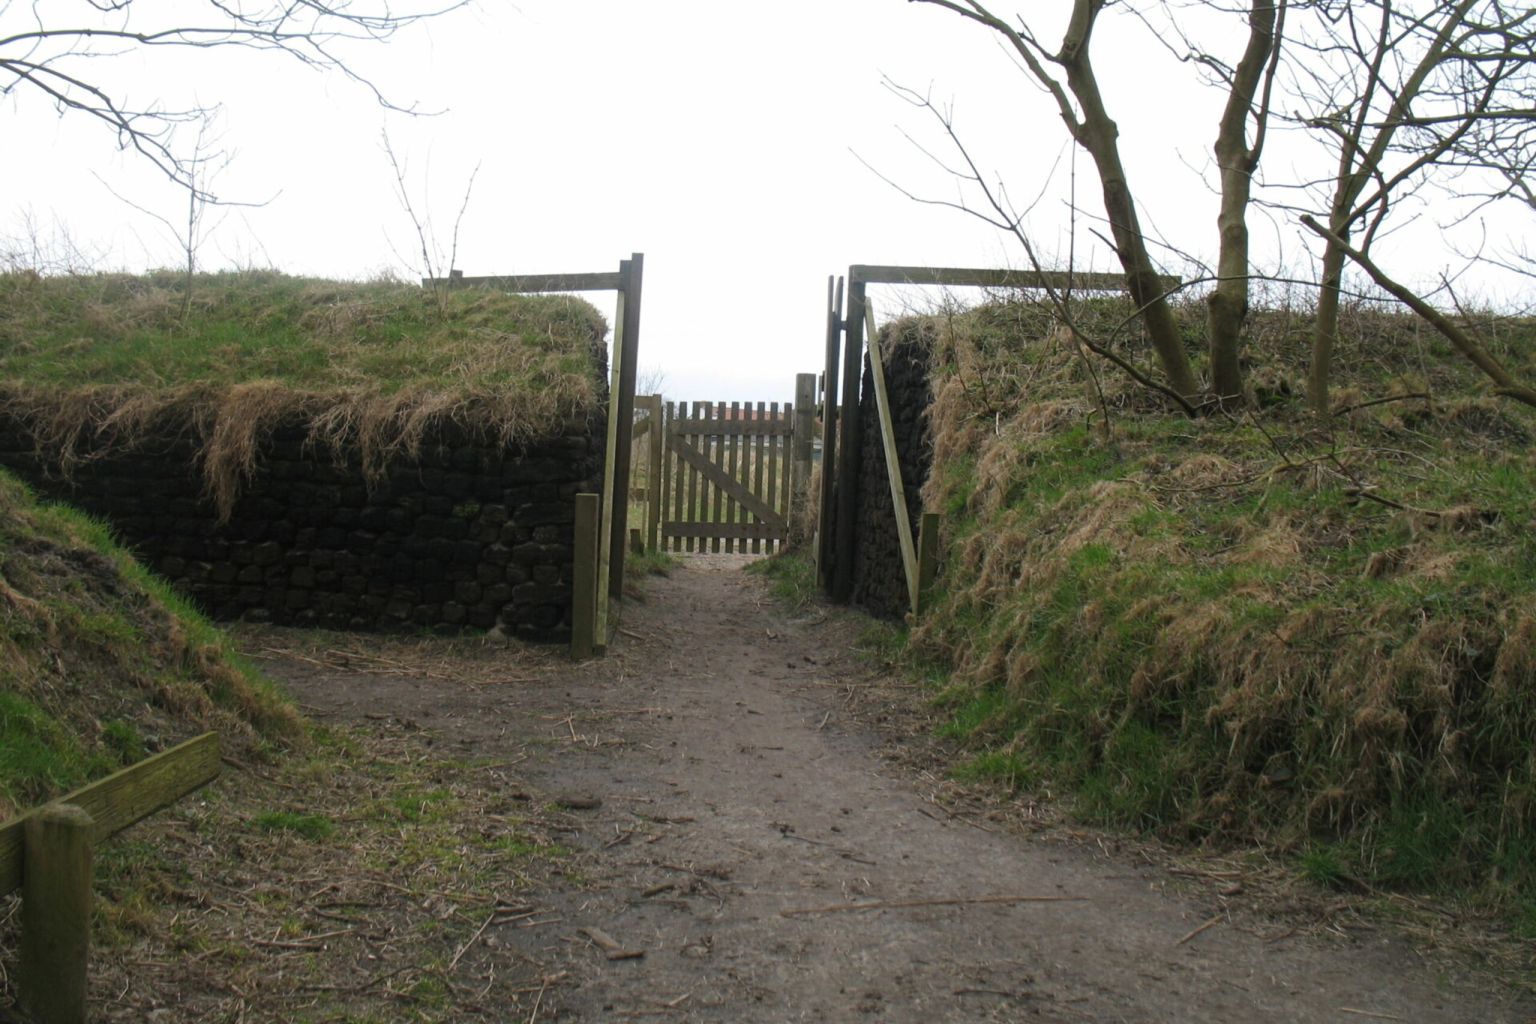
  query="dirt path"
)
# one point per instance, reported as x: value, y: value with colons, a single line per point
x: 732, y: 791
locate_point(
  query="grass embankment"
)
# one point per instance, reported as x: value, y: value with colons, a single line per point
x: 1316, y: 634
x: 106, y: 360
x: 101, y: 664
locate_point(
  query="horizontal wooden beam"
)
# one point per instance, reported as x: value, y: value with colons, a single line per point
x: 123, y: 798
x: 735, y: 428
x: 531, y: 283
x: 726, y: 531
x: 961, y: 277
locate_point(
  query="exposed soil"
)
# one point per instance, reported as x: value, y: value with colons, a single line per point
x: 731, y: 794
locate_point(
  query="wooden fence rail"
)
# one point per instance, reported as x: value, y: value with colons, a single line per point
x: 47, y: 853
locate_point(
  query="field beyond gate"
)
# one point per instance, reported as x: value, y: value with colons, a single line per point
x: 727, y: 476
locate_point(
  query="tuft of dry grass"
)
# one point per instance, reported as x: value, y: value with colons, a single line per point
x: 1315, y: 635
x: 95, y: 364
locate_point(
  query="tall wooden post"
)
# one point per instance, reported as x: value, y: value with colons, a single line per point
x: 849, y: 444
x: 654, y: 484
x: 585, y: 577
x: 800, y: 453
x: 56, y: 914
x: 631, y: 273
x: 825, y: 517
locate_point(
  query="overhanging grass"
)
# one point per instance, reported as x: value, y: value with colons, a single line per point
x: 1321, y: 637
x: 94, y: 362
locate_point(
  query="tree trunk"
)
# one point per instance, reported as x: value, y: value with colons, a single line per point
x: 1098, y: 134
x: 1325, y: 330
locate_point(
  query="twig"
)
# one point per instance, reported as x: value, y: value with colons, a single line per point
x: 478, y: 932
x: 1213, y: 922
x: 1370, y: 1013
x: 838, y: 908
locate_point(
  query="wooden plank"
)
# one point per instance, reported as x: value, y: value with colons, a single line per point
x: 584, y: 577
x: 733, y: 468
x: 927, y: 556
x: 56, y: 914
x: 721, y: 426
x: 736, y: 531
x: 122, y: 798
x: 656, y: 475
x: 723, y: 481
x: 628, y: 356
x: 1059, y: 280
x: 801, y: 443
x: 642, y: 427
x: 679, y: 510
x: 848, y: 445
x: 761, y: 444
x: 829, y: 393
x: 533, y: 283
x: 696, y: 486
x: 709, y: 471
x: 892, y: 460
x: 781, y: 459
x: 607, y: 517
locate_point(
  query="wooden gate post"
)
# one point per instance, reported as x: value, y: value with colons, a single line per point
x: 805, y: 425
x: 585, y: 577
x: 849, y: 444
x: 56, y: 914
x: 631, y: 272
x: 825, y: 519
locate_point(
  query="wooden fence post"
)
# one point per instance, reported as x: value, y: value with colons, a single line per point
x: 825, y: 517
x: 653, y: 475
x: 800, y: 458
x: 849, y: 444
x: 56, y: 914
x: 584, y: 578
x: 927, y: 557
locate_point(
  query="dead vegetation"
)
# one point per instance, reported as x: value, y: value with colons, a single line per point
x: 101, y: 363
x: 1315, y: 634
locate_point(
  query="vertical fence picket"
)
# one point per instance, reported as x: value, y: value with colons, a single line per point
x: 733, y: 449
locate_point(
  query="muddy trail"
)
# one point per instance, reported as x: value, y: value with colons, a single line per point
x: 755, y: 845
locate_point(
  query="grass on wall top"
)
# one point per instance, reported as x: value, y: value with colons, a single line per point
x: 92, y: 362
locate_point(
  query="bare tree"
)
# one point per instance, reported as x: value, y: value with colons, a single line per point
x: 56, y: 50
x: 1067, y: 74
x: 1408, y: 96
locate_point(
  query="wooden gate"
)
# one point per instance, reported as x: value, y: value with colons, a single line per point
x: 727, y: 476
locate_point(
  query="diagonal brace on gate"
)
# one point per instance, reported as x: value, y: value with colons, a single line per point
x: 728, y: 484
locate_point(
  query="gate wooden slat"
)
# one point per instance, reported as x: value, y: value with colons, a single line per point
x: 666, y: 473
x: 786, y: 481
x: 757, y: 473
x: 719, y: 494
x: 691, y: 508
x: 733, y: 444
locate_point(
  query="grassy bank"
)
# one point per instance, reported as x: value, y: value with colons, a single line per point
x: 102, y: 360
x: 101, y: 665
x: 1316, y: 635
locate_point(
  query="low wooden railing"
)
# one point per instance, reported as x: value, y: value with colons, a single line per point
x: 47, y: 854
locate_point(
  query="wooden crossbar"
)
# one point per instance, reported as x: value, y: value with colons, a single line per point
x: 960, y: 277
x: 781, y: 427
x: 533, y: 283
x: 123, y: 798
x: 723, y: 531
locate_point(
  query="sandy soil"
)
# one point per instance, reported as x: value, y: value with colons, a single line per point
x: 735, y: 799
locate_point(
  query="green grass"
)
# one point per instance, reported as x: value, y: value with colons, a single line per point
x: 313, y: 827
x: 793, y: 575
x: 1199, y: 629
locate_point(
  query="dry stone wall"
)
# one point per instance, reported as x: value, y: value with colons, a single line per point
x: 879, y: 578
x: 470, y: 533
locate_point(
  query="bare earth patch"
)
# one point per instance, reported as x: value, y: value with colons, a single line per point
x: 712, y: 824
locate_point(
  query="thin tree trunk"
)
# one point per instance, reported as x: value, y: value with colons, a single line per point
x: 1325, y: 329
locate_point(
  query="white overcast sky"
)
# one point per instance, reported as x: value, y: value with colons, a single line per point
x: 715, y: 136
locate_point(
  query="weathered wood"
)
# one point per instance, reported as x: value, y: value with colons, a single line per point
x: 715, y: 475
x: 611, y: 499
x: 56, y: 913
x: 642, y: 427
x: 735, y: 531
x: 636, y: 541
x: 533, y: 283
x: 848, y: 446
x: 584, y: 577
x: 927, y: 557
x: 632, y: 272
x: 721, y: 482
x: 824, y: 514
x: 892, y: 459
x: 122, y: 798
x: 656, y: 477
x: 692, y: 511
x: 721, y: 427
x: 993, y: 278
x: 762, y: 448
x: 733, y: 470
